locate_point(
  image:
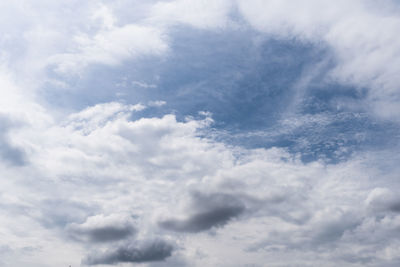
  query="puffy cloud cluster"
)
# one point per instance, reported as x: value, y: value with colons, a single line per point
x: 152, y: 189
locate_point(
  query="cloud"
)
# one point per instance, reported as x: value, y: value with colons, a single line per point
x: 110, y: 37
x: 145, y: 251
x: 157, y: 103
x: 361, y: 52
x: 97, y: 116
x: 82, y: 187
x: 334, y: 228
x: 383, y: 200
x: 214, y: 210
x: 48, y: 43
x: 110, y: 47
x: 59, y: 212
x: 9, y: 152
x: 100, y: 228
x: 90, y: 169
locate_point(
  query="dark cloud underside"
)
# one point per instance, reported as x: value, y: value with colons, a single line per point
x: 203, y: 221
x: 212, y: 210
x: 102, y: 234
x: 149, y: 251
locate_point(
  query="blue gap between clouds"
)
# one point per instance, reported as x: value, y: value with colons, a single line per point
x: 245, y: 80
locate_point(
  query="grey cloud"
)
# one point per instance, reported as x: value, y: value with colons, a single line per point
x: 352, y: 258
x: 203, y: 221
x: 101, y: 234
x: 61, y: 212
x: 10, y: 153
x: 176, y: 261
x: 395, y: 206
x: 214, y: 210
x: 13, y: 155
x: 330, y: 231
x: 148, y: 251
x: 5, y: 249
x: 383, y: 200
x: 320, y: 235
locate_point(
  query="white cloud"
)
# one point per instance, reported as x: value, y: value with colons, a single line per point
x: 19, y: 103
x: 69, y: 36
x: 157, y: 103
x: 111, y: 46
x: 95, y: 170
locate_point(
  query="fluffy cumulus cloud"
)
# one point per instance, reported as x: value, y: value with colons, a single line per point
x: 189, y: 133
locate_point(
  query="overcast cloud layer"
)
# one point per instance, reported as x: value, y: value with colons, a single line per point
x: 199, y: 133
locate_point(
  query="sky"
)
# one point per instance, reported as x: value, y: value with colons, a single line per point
x: 240, y: 133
